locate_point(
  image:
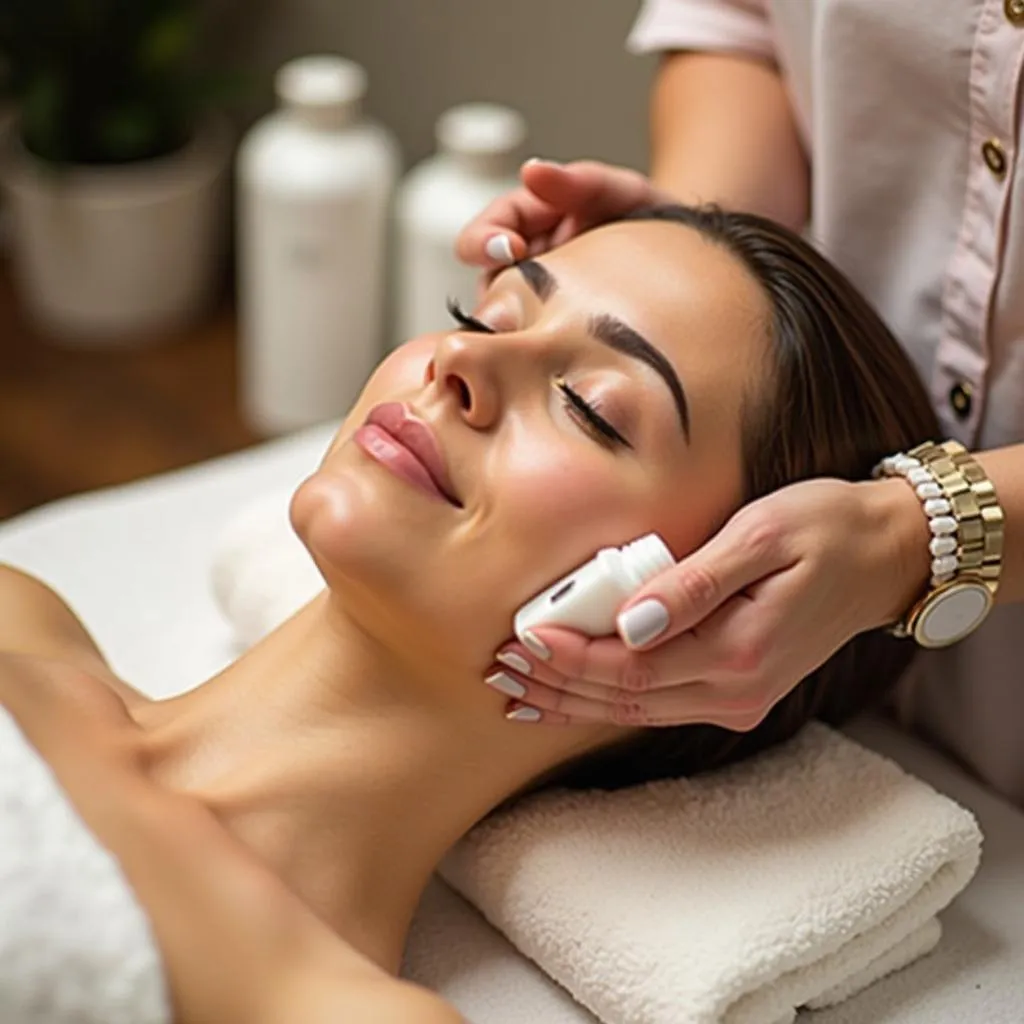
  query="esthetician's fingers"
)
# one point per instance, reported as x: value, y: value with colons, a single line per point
x: 593, y: 704
x: 528, y: 667
x: 588, y: 192
x: 703, y: 704
x: 536, y: 247
x: 555, y: 203
x: 737, y: 708
x: 653, y: 695
x: 531, y: 690
x: 574, y: 659
x: 750, y: 547
x: 503, y: 232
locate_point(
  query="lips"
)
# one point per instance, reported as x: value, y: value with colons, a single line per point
x: 418, y: 439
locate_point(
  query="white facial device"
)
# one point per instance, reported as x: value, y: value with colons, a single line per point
x: 588, y: 599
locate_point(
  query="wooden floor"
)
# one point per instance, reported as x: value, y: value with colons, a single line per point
x: 74, y: 419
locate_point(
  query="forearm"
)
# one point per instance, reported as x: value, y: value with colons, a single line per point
x: 723, y: 130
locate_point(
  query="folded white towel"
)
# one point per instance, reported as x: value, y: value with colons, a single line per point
x: 75, y: 946
x: 794, y: 879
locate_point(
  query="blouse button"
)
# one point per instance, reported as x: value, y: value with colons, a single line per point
x: 1014, y: 10
x: 995, y: 156
x: 960, y: 399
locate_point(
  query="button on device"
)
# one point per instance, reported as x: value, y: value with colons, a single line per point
x: 1014, y: 11
x: 995, y: 156
x: 960, y: 399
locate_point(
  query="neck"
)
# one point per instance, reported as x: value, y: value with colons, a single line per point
x: 346, y: 768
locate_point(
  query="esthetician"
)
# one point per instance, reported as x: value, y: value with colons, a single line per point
x: 893, y: 130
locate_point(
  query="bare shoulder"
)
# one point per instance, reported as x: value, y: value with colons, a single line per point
x: 36, y: 621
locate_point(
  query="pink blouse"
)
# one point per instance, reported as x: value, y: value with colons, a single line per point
x: 912, y: 115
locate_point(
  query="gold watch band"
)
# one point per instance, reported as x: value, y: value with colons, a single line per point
x: 964, y: 508
x: 975, y: 507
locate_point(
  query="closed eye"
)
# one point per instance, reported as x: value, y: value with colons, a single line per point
x: 592, y: 420
x: 579, y: 407
x: 465, y: 321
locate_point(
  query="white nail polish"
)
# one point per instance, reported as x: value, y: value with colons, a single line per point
x: 536, y: 645
x: 516, y: 661
x: 643, y: 622
x: 499, y: 248
x: 506, y: 684
x: 523, y: 715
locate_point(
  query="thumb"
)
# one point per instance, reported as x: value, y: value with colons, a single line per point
x: 685, y: 594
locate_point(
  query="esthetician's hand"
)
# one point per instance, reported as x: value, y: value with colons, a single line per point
x: 555, y: 203
x: 724, y: 634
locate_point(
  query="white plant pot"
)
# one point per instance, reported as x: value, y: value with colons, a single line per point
x: 122, y: 254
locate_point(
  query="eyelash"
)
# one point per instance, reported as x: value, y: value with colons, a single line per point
x: 465, y: 320
x: 601, y: 430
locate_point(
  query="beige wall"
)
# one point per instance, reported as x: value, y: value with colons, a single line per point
x: 561, y: 62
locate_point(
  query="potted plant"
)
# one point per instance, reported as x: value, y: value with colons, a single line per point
x: 115, y: 172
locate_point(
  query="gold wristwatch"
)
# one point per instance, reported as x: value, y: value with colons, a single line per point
x: 966, y: 522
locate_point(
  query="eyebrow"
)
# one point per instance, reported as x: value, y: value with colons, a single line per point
x: 617, y: 335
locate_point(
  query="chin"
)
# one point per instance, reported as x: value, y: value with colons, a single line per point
x: 393, y: 567
x: 360, y: 528
x: 349, y: 528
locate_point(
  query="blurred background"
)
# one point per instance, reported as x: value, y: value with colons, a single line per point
x: 125, y: 315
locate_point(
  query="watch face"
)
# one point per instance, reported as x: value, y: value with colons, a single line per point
x: 952, y: 613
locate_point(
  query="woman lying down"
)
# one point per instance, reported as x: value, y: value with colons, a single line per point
x: 274, y: 827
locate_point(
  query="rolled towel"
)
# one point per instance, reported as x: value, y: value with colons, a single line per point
x: 261, y: 574
x: 794, y: 879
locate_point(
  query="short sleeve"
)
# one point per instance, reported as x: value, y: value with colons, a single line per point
x: 737, y: 26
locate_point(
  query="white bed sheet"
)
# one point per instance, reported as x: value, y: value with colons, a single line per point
x: 134, y: 563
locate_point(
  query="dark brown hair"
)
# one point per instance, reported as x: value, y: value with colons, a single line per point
x: 839, y: 394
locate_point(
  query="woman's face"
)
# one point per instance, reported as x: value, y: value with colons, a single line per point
x: 658, y: 332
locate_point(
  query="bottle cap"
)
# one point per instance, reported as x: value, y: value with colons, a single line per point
x: 647, y: 557
x: 325, y: 89
x: 488, y: 134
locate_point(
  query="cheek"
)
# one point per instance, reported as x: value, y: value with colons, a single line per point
x: 540, y: 480
x: 552, y: 506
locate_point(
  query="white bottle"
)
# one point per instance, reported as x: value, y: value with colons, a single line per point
x: 589, y: 598
x: 315, y: 181
x: 479, y: 152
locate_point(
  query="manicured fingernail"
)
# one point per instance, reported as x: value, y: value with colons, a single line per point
x: 499, y: 249
x: 536, y: 645
x: 523, y: 715
x: 544, y: 161
x: 513, y: 660
x: 504, y: 682
x: 643, y: 622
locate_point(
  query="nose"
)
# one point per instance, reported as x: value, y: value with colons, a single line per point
x: 465, y: 370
